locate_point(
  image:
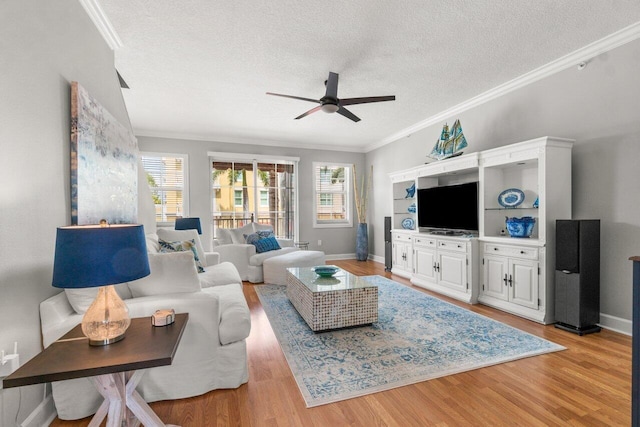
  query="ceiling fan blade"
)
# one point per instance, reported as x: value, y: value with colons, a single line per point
x: 348, y: 114
x: 332, y: 86
x: 315, y: 101
x: 313, y: 110
x: 352, y: 101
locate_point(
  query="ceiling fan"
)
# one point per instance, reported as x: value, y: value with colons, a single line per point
x: 330, y: 103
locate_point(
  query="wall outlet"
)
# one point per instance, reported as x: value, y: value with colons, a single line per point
x: 9, y: 365
x: 319, y: 242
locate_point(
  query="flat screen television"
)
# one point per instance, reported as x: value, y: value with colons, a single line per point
x: 451, y: 207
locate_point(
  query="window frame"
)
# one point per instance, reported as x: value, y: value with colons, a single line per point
x: 185, y: 181
x: 255, y: 159
x: 348, y: 196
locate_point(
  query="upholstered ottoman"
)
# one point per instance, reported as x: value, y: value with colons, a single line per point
x: 275, y: 269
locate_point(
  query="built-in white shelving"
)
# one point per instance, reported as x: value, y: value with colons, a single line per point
x: 512, y: 274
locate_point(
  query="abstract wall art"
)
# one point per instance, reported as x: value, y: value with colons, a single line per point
x: 104, y: 164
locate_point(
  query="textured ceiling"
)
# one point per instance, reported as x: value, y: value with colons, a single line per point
x: 200, y: 68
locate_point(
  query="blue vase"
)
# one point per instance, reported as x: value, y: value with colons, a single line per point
x: 362, y: 242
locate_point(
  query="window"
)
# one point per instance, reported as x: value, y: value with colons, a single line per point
x: 326, y: 199
x: 167, y: 179
x: 332, y: 195
x: 248, y: 188
x: 264, y: 198
x: 237, y: 198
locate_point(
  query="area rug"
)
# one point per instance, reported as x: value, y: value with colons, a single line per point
x: 417, y: 338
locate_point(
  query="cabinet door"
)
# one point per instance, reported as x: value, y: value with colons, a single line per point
x: 523, y: 287
x: 425, y: 261
x: 495, y: 276
x: 401, y: 255
x: 452, y: 270
x: 408, y: 250
x: 396, y: 255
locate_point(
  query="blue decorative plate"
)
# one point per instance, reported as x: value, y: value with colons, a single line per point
x: 511, y: 198
x: 408, y: 224
x: 325, y: 270
x: 412, y: 208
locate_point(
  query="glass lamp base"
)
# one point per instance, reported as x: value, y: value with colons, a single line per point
x: 107, y: 319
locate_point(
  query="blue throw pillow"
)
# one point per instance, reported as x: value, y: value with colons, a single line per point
x: 265, y: 233
x: 267, y: 244
x: 260, y: 234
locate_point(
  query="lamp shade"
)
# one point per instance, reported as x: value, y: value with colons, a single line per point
x: 89, y: 256
x: 188, y: 224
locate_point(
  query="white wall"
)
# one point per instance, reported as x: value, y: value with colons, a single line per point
x: 44, y: 45
x: 599, y: 107
x: 335, y: 241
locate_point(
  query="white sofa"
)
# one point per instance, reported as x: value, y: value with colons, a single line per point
x: 212, y: 353
x: 231, y: 247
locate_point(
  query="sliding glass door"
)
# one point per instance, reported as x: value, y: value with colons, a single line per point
x: 259, y: 190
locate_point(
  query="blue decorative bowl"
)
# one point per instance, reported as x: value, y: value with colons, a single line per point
x: 325, y: 271
x: 520, y: 227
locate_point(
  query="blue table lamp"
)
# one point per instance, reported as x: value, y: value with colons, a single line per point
x: 188, y: 224
x: 101, y: 256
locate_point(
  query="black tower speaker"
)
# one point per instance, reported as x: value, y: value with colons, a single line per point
x: 577, y: 295
x: 387, y: 243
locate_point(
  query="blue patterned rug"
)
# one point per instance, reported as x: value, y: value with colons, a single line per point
x: 417, y: 338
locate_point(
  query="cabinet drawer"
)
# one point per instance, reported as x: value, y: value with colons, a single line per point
x: 424, y: 242
x: 449, y: 245
x: 511, y: 251
x: 398, y: 237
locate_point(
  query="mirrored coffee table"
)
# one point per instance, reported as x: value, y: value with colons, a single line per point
x: 332, y: 302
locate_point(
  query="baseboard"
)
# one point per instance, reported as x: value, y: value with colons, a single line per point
x: 616, y: 324
x: 43, y: 415
x: 376, y: 258
x: 340, y: 257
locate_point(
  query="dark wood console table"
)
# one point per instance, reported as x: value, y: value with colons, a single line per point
x: 116, y: 369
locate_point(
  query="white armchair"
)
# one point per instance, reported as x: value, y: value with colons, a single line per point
x: 212, y: 353
x: 231, y: 247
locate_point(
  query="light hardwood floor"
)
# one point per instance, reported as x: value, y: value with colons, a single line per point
x: 589, y: 384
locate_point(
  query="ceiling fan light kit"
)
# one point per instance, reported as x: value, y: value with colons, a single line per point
x: 329, y: 108
x: 330, y: 103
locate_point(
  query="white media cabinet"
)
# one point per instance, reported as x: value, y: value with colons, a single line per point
x: 512, y: 274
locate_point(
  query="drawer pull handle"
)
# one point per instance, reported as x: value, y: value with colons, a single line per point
x: 510, y: 281
x: 505, y: 279
x: 523, y: 252
x: 495, y: 249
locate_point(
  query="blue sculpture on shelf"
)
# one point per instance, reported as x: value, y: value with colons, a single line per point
x: 411, y: 191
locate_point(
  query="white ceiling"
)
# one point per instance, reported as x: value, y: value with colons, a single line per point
x: 199, y: 69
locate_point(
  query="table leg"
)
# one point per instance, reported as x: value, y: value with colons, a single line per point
x: 123, y: 405
x: 112, y: 387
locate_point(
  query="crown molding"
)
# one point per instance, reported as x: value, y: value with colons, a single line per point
x: 102, y: 23
x: 584, y: 54
x: 226, y: 139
